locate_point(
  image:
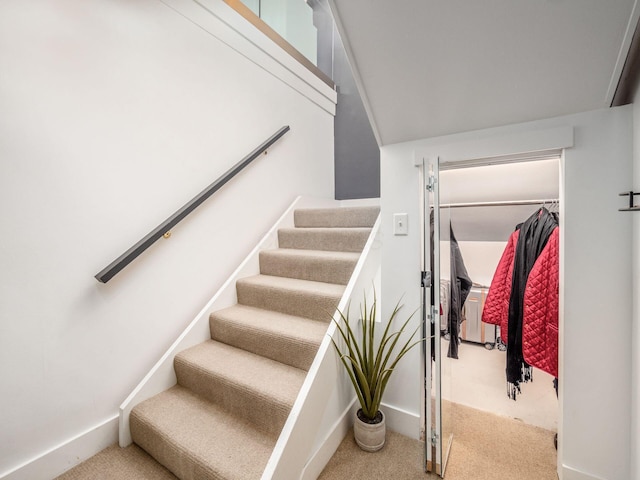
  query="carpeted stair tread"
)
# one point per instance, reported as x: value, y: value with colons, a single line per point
x: 198, y: 440
x: 316, y: 265
x: 327, y: 239
x: 284, y: 338
x: 304, y: 298
x: 336, y: 217
x: 258, y: 389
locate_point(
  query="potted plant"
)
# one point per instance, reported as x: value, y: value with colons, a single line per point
x: 369, y: 362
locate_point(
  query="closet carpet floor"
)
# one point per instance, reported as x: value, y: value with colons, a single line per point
x: 477, y: 379
x: 485, y: 446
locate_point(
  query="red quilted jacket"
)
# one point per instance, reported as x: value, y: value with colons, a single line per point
x: 496, y: 305
x: 540, y: 304
x: 540, y: 309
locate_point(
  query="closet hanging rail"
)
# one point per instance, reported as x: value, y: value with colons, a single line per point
x: 508, y: 203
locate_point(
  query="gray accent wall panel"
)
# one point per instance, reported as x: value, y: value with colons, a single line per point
x: 357, y: 155
x: 356, y: 152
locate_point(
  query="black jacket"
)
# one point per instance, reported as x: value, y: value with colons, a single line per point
x: 460, y: 288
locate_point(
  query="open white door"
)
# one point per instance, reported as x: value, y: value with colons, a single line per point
x: 437, y: 427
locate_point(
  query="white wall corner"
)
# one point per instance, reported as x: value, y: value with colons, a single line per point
x: 330, y: 444
x: 68, y: 454
x: 396, y: 419
x: 401, y: 421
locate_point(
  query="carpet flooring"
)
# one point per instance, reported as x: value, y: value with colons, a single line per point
x: 115, y: 463
x: 485, y: 446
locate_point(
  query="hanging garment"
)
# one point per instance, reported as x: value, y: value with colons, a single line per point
x: 460, y: 288
x: 506, y: 294
x: 540, y: 314
x: 496, y: 305
x: 445, y: 287
x: 534, y: 234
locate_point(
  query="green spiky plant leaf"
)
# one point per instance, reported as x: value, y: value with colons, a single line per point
x: 369, y: 362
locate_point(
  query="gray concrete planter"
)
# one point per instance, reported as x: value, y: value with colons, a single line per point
x: 370, y: 437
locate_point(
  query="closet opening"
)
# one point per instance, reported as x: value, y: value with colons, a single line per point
x: 480, y: 204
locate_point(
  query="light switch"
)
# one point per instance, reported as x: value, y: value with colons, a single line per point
x: 400, y: 224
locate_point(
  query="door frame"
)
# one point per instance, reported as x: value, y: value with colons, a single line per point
x: 510, y: 148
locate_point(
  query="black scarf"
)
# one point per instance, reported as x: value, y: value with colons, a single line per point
x: 534, y: 234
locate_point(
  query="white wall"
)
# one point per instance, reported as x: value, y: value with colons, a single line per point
x: 481, y: 259
x: 596, y: 246
x: 635, y: 379
x: 112, y: 116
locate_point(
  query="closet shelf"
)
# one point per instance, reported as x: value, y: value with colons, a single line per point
x: 631, y: 207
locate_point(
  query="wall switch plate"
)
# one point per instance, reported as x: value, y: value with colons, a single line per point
x: 400, y: 224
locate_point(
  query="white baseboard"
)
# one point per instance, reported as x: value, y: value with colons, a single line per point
x: 61, y: 458
x: 319, y: 460
x: 570, y: 473
x: 401, y: 421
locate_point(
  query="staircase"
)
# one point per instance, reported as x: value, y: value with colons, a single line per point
x: 234, y: 392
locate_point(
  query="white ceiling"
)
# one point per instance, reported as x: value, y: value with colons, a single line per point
x: 433, y: 67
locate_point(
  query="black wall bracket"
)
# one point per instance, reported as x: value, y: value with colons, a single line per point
x: 632, y: 207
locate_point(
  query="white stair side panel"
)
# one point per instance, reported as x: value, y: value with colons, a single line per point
x: 326, y: 388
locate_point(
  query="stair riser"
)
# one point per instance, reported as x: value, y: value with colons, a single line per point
x: 337, y: 217
x: 262, y: 412
x: 196, y: 440
x: 307, y: 268
x: 285, y: 350
x: 302, y: 304
x: 155, y: 444
x: 324, y: 239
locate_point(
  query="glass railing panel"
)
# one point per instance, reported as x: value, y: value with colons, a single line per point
x: 254, y: 6
x: 292, y: 20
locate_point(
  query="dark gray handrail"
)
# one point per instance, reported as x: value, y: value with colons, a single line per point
x: 127, y: 257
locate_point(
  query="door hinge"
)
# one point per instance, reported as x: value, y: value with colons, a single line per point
x: 434, y: 438
x: 431, y: 183
x: 425, y: 279
x: 432, y: 314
